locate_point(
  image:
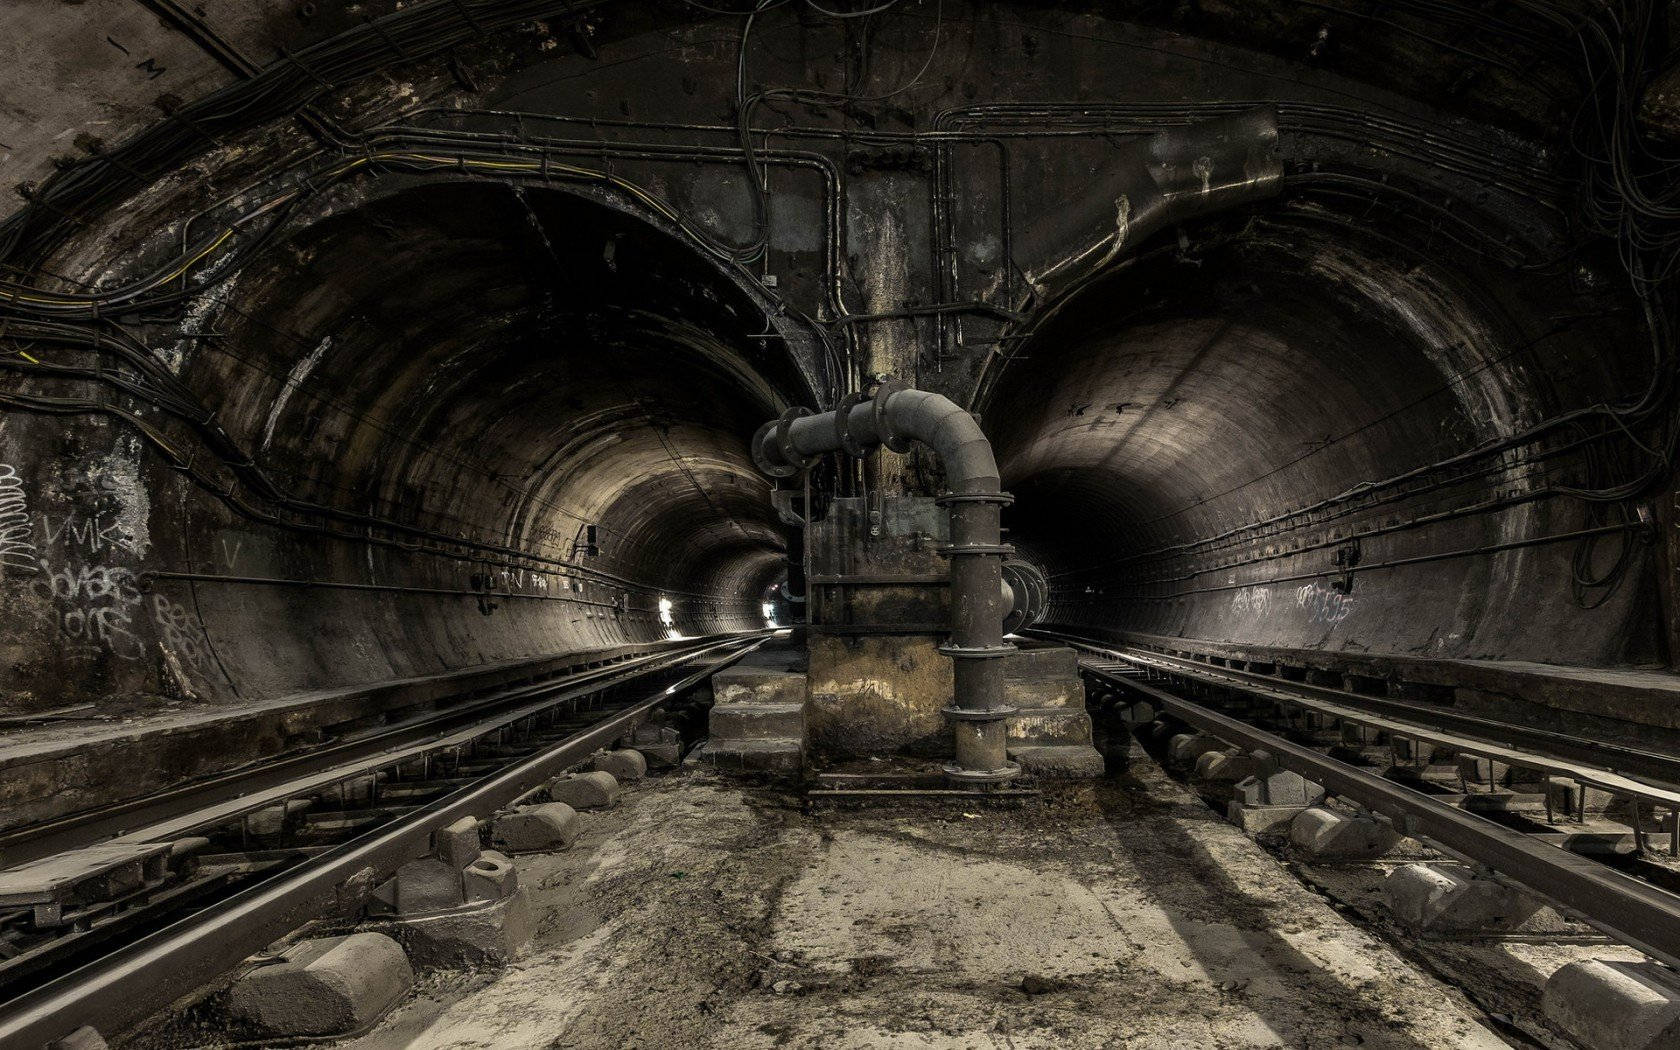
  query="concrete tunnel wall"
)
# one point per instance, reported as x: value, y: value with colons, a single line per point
x: 510, y: 370
x: 495, y: 360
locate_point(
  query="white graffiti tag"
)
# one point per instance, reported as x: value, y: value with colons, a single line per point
x: 16, y: 549
x: 1324, y: 603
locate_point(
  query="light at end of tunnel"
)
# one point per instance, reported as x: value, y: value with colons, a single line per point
x: 668, y: 619
x: 769, y: 615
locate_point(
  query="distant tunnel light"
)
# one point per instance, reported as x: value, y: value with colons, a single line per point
x: 769, y: 615
x: 668, y: 618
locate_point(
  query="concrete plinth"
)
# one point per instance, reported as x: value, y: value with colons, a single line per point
x: 1066, y: 762
x: 424, y: 885
x: 328, y: 986
x: 1256, y: 819
x: 593, y: 790
x: 1329, y: 834
x: 1447, y: 898
x: 1228, y: 767
x: 1483, y: 770
x: 1279, y: 788
x: 1609, y: 1005
x: 490, y: 877
x: 661, y: 746
x: 458, y: 844
x: 530, y: 829
x: 83, y: 1038
x: 623, y: 764
x: 1566, y: 795
x: 491, y: 934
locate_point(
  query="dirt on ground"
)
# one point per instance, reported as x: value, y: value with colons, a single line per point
x: 703, y: 913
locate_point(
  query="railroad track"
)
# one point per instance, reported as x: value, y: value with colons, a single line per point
x: 1365, y: 749
x: 108, y: 916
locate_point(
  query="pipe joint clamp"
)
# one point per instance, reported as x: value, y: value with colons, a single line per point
x: 883, y: 393
x: 772, y: 446
x: 843, y: 424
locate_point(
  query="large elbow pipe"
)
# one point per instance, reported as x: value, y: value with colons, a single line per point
x: 896, y: 416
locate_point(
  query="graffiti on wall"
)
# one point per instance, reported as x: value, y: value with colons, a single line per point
x: 17, y: 548
x: 1323, y: 603
x: 76, y: 563
x: 1252, y: 601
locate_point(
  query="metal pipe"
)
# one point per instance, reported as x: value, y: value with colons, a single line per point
x: 895, y: 416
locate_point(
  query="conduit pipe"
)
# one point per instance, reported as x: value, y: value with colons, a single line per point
x: 895, y: 416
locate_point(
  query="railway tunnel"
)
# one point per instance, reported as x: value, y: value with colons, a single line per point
x: 910, y: 524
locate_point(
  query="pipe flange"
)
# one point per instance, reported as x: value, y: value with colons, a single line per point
x: 977, y: 652
x: 946, y: 499
x: 976, y: 714
x: 982, y: 776
x: 843, y: 420
x: 1003, y: 550
x: 883, y: 392
x: 760, y: 455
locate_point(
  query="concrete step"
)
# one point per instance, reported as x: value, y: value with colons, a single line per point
x: 757, y: 721
x: 1072, y: 762
x: 781, y: 756
x: 1050, y: 727
x: 743, y: 684
x: 1046, y: 677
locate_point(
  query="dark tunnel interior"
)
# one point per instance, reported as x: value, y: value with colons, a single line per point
x: 875, y: 518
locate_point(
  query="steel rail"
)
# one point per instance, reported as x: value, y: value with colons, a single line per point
x: 255, y: 783
x: 1633, y: 912
x: 123, y: 988
x: 1602, y: 755
x: 1592, y: 775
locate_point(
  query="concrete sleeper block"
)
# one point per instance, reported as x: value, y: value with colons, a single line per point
x: 326, y: 986
x: 1329, y: 834
x: 1282, y: 788
x: 427, y: 885
x: 1186, y: 748
x: 491, y: 877
x: 532, y: 829
x: 594, y: 790
x: 493, y: 934
x: 1614, y: 1005
x: 1447, y: 898
x: 457, y: 845
x: 86, y: 1037
x: 624, y: 764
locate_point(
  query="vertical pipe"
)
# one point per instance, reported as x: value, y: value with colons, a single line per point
x: 893, y: 417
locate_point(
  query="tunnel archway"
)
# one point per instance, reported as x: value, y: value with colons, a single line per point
x: 1242, y: 439
x: 491, y: 421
